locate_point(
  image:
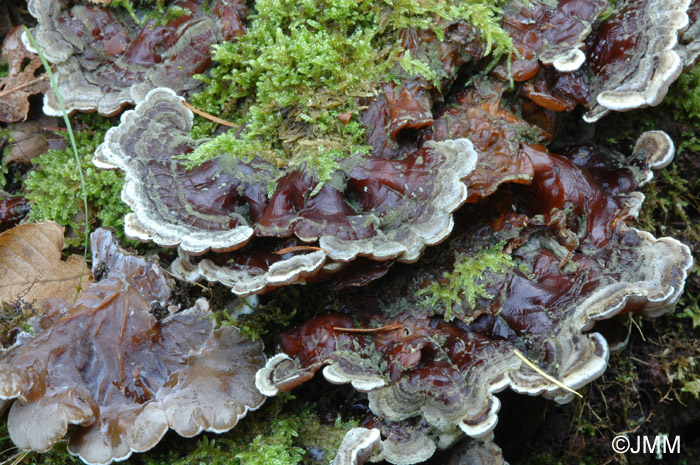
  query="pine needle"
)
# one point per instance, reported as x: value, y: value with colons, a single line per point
x: 543, y: 374
x: 210, y: 117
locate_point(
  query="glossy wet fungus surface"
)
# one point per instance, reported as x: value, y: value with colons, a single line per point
x: 375, y: 207
x: 544, y: 248
x: 573, y: 261
x: 105, y: 59
x: 128, y: 378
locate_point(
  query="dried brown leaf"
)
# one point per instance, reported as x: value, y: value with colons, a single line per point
x: 21, y: 81
x: 31, y: 265
x: 29, y: 139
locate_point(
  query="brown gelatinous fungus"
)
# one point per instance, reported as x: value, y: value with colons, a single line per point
x: 127, y: 377
x: 634, y: 55
x: 12, y: 210
x: 21, y: 81
x: 502, y: 139
x: 372, y: 206
x: 105, y: 60
x: 552, y: 258
x: 554, y: 34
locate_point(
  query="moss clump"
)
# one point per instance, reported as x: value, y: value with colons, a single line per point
x: 264, y: 437
x: 143, y: 11
x: 466, y: 283
x: 54, y: 192
x: 5, y: 137
x: 303, y: 65
x: 257, y: 322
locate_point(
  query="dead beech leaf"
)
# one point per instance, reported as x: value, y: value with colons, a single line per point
x: 29, y: 139
x: 21, y: 81
x: 31, y: 265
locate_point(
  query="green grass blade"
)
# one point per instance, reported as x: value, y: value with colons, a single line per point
x: 71, y: 136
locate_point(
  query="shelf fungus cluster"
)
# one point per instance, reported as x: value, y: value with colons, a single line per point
x: 627, y: 62
x: 105, y: 59
x: 379, y: 208
x: 113, y: 378
x: 430, y: 370
x: 477, y: 151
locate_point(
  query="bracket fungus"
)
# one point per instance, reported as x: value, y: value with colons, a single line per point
x: 544, y: 248
x: 106, y: 60
x: 554, y: 33
x: 123, y: 378
x: 573, y: 261
x: 634, y: 55
x: 615, y: 60
x: 373, y: 207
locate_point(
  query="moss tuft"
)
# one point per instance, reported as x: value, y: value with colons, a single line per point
x: 143, y: 11
x: 54, y: 193
x: 466, y: 282
x: 302, y: 63
x: 5, y: 138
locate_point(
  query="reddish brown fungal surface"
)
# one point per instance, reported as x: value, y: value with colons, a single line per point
x: 633, y: 56
x: 497, y: 135
x: 12, y: 210
x: 381, y: 208
x: 626, y: 61
x: 105, y: 60
x: 575, y: 261
x: 108, y: 366
x: 554, y: 35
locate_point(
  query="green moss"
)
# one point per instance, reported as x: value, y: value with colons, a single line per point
x: 609, y: 11
x: 277, y: 448
x: 143, y: 11
x: 258, y: 323
x: 302, y: 63
x: 280, y: 433
x: 54, y: 193
x: 5, y: 138
x: 4, y: 68
x: 466, y: 283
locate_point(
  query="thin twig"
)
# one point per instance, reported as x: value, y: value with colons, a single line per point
x: 206, y: 115
x: 298, y: 248
x: 22, y: 86
x: 390, y: 327
x: 543, y: 374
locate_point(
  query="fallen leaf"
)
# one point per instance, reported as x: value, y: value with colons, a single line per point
x: 21, y: 81
x: 31, y: 265
x: 29, y: 139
